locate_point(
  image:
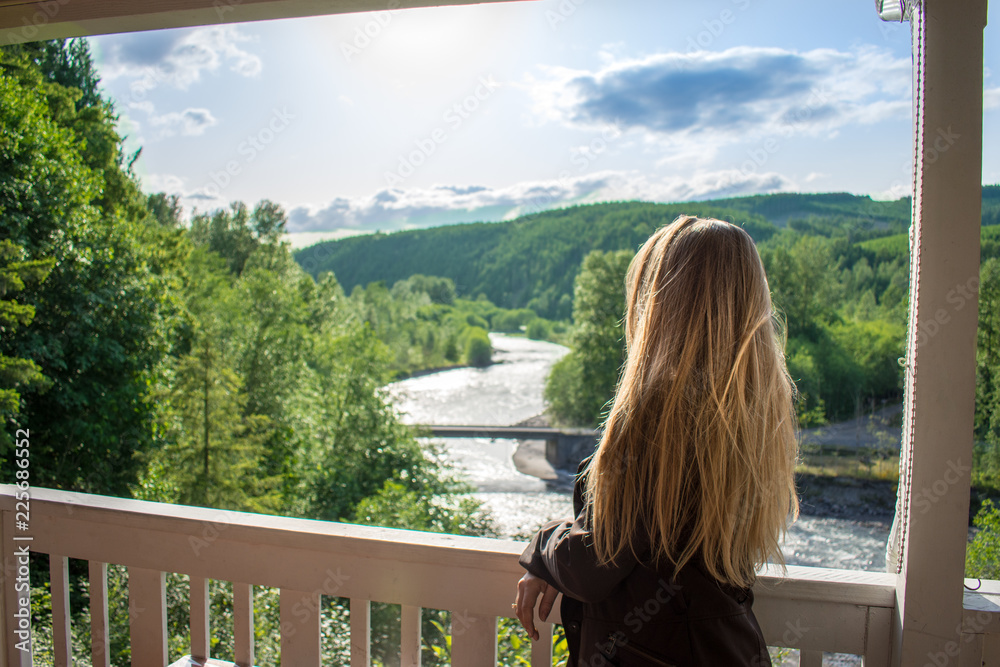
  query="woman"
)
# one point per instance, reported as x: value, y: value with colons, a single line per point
x: 691, y: 487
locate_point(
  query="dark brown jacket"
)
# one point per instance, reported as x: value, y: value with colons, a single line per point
x: 633, y: 613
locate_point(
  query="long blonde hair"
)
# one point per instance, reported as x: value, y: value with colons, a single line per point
x: 699, y: 447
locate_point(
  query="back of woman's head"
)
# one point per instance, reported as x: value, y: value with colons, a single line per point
x: 699, y: 447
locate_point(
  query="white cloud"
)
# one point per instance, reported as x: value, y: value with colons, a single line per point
x: 714, y: 98
x: 176, y: 58
x: 422, y: 207
x: 410, y: 208
x: 189, y: 123
x: 991, y: 98
x: 169, y: 183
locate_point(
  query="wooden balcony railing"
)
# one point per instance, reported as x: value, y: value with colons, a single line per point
x: 810, y: 609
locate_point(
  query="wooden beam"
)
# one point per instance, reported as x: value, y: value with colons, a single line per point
x: 28, y: 21
x: 941, y: 351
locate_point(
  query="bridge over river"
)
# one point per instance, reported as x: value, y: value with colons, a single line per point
x: 564, y: 448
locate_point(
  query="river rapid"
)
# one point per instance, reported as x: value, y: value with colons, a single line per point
x: 510, y: 391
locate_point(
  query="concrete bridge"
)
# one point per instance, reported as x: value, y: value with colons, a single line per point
x: 564, y: 448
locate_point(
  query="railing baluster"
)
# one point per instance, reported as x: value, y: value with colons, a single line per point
x: 243, y: 624
x: 473, y: 640
x: 12, y: 564
x: 199, y: 618
x: 409, y: 636
x: 300, y: 637
x: 971, y: 648
x: 541, y: 651
x: 877, y: 637
x: 59, y: 588
x: 991, y: 650
x: 361, y: 632
x: 147, y: 616
x: 810, y: 658
x: 100, y: 651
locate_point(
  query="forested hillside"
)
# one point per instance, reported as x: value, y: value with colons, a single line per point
x: 532, y: 261
x: 529, y: 262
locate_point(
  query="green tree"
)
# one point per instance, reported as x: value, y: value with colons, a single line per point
x: 986, y: 465
x: 17, y: 375
x: 99, y: 332
x: 216, y: 451
x: 235, y: 233
x: 583, y: 383
x: 804, y: 286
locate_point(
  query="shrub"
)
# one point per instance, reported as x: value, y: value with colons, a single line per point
x: 982, y: 556
x: 538, y: 329
x: 478, y: 350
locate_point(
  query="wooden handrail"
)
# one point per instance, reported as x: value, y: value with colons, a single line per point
x: 813, y: 609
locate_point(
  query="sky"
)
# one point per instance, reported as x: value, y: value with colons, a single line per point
x: 400, y: 119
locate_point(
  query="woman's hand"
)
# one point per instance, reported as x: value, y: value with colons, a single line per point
x: 528, y: 590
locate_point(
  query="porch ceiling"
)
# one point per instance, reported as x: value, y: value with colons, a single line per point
x: 28, y: 21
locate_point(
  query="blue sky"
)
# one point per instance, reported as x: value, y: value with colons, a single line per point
x: 409, y: 118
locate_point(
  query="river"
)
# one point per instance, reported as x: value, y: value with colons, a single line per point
x: 510, y: 391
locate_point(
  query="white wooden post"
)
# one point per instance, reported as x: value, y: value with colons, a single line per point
x: 361, y: 632
x: 810, y: 658
x: 243, y: 624
x: 473, y: 640
x: 541, y: 651
x: 200, y: 630
x: 100, y: 650
x: 147, y: 616
x: 409, y: 636
x: 940, y: 380
x: 877, y: 637
x: 300, y: 635
x: 59, y: 589
x: 13, y: 568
